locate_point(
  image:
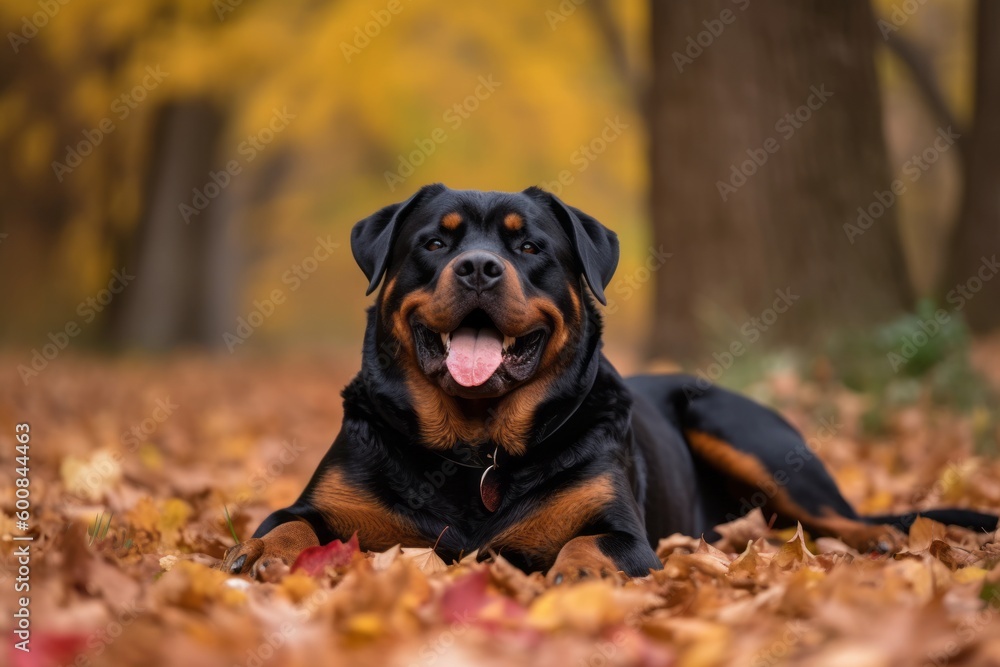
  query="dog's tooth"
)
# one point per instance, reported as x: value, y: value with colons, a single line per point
x: 446, y: 341
x: 508, y: 342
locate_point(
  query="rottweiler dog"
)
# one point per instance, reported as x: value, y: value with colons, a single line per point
x: 486, y: 417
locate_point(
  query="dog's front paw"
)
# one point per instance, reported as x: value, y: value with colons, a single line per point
x: 879, y: 539
x: 269, y: 557
x: 579, y: 559
x: 241, y: 558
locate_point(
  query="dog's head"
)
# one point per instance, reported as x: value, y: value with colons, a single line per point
x: 483, y: 291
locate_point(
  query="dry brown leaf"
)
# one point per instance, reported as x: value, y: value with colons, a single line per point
x: 522, y: 587
x: 382, y: 560
x: 923, y: 532
x: 744, y: 570
x: 950, y: 556
x: 749, y: 527
x: 794, y: 553
x: 676, y: 542
x: 425, y: 558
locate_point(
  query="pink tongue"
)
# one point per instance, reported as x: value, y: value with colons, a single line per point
x: 474, y: 355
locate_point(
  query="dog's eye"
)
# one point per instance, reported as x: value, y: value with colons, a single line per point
x: 434, y: 244
x: 529, y: 248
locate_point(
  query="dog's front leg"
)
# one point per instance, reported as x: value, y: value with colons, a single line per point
x: 262, y: 556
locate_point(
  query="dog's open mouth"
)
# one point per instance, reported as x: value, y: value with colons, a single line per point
x: 477, y: 351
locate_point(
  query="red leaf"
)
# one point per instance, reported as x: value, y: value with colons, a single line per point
x: 314, y: 560
x: 49, y: 649
x: 466, y: 596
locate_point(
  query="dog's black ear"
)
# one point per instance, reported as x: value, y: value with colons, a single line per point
x: 372, y: 238
x: 595, y: 245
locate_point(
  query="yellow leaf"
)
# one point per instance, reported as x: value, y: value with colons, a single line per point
x: 968, y: 575
x: 144, y: 516
x: 587, y: 606
x: 298, y: 586
x: 194, y: 586
x: 150, y: 456
x: 366, y: 625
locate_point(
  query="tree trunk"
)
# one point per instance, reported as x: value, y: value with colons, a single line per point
x: 184, y: 290
x: 972, y: 285
x: 755, y: 193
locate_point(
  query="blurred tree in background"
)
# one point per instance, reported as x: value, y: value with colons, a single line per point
x: 977, y: 233
x: 764, y: 143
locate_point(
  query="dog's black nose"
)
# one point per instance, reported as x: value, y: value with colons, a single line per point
x: 479, y: 270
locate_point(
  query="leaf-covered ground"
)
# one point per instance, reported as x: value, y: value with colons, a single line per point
x: 132, y: 463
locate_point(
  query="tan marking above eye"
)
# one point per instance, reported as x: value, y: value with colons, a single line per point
x: 451, y: 220
x: 513, y: 222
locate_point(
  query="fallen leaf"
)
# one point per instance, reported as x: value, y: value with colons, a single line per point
x: 794, y: 553
x: 382, y: 560
x: 738, y: 532
x: 314, y: 561
x: 424, y: 558
x: 923, y: 532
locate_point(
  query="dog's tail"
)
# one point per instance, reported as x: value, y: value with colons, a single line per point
x: 971, y: 519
